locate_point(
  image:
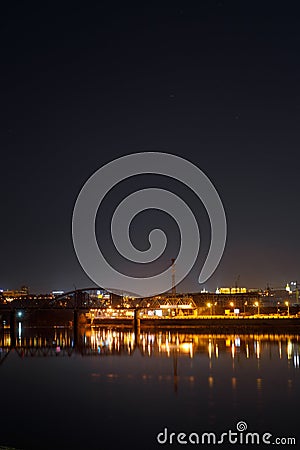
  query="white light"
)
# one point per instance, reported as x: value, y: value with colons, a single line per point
x: 237, y: 342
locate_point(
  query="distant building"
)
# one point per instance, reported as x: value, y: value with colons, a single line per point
x: 231, y: 290
x: 25, y: 290
x: 57, y: 293
x: 15, y: 293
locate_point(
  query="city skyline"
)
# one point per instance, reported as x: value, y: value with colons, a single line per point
x: 290, y: 287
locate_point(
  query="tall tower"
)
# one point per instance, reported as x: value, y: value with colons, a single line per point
x: 173, y: 278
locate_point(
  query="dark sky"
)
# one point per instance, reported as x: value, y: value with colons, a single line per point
x: 217, y: 84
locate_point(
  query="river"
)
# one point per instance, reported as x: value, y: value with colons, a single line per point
x: 117, y: 389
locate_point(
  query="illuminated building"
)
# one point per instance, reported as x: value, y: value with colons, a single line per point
x: 15, y: 293
x: 231, y: 290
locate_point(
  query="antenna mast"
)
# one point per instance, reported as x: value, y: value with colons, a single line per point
x: 173, y: 278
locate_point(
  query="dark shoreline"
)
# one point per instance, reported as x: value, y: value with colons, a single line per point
x: 196, y: 324
x: 207, y: 325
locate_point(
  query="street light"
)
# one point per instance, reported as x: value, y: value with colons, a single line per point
x: 245, y: 304
x: 257, y: 305
x: 288, y: 307
x: 209, y: 306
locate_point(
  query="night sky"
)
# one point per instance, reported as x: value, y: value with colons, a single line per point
x: 218, y: 84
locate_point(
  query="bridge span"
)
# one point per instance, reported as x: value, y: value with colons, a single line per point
x: 79, y: 301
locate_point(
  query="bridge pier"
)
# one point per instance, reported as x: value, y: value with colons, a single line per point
x: 12, y: 328
x: 136, y: 322
x: 75, y: 327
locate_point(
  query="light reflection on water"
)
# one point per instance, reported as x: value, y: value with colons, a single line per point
x: 108, y: 341
x: 121, y: 381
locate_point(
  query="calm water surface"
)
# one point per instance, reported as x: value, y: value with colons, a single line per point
x: 117, y: 389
